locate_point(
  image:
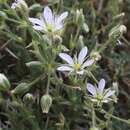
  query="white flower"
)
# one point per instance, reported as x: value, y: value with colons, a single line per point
x: 19, y: 3
x: 49, y: 22
x: 99, y: 94
x: 78, y: 64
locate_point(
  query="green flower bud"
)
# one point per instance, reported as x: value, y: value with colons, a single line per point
x: 94, y: 128
x: 85, y: 28
x: 19, y: 4
x: 21, y: 88
x: 46, y: 102
x: 57, y: 39
x: 16, y: 104
x: 81, y: 41
x: 4, y: 83
x: 79, y: 17
x: 3, y: 15
x: 46, y: 39
x: 117, y: 31
x: 28, y: 98
x: 95, y: 56
x: 115, y: 87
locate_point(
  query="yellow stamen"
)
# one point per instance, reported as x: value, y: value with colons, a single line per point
x: 77, y: 66
x: 50, y: 27
x: 99, y: 97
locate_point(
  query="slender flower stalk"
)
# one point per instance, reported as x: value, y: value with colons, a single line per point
x: 49, y: 22
x: 99, y: 94
x: 78, y: 64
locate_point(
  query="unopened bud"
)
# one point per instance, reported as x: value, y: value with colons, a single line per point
x: 123, y: 29
x: 28, y: 98
x: 57, y: 39
x: 16, y: 104
x: 3, y: 15
x: 85, y: 27
x: 46, y: 102
x: 117, y: 31
x: 21, y: 88
x: 121, y: 15
x: 115, y: 85
x: 4, y: 83
x: 81, y: 41
x: 95, y: 56
x: 79, y: 18
x: 20, y: 5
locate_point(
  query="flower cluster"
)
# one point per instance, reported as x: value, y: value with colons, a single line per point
x: 49, y: 22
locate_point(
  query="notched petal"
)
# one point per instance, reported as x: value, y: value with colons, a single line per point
x: 48, y: 15
x: 82, y: 55
x: 101, y: 85
x: 62, y: 17
x: 88, y: 63
x: 65, y: 68
x: 67, y: 58
x: 91, y: 89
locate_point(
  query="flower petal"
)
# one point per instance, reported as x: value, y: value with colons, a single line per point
x: 48, y: 15
x: 101, y: 86
x: 36, y: 21
x: 58, y: 27
x: 65, y: 68
x: 105, y: 100
x: 39, y: 28
x: 14, y: 5
x: 61, y: 17
x: 94, y: 100
x: 67, y: 58
x: 80, y: 72
x: 109, y: 93
x: 88, y: 63
x: 82, y: 55
x: 91, y: 89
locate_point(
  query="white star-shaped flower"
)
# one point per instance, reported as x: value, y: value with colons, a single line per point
x: 49, y: 22
x: 78, y: 64
x: 99, y: 94
x: 19, y: 3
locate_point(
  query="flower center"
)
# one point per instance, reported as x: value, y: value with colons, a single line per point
x: 77, y: 66
x: 99, y: 97
x: 50, y: 27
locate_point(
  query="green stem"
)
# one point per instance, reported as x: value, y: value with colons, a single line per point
x: 125, y: 40
x: 94, y: 17
x: 75, y: 78
x: 117, y: 118
x: 93, y: 117
x: 36, y: 48
x: 47, y: 122
x: 90, y: 73
x: 13, y: 20
x: 77, y: 34
x: 35, y: 81
x: 104, y: 46
x: 48, y: 84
